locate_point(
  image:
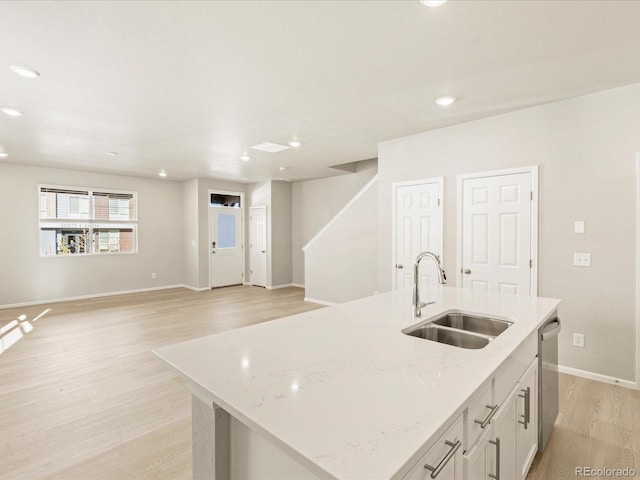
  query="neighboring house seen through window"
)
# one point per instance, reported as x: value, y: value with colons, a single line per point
x: 76, y: 221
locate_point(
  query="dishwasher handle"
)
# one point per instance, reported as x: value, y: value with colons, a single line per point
x: 547, y: 334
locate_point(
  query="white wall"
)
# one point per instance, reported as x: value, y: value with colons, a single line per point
x: 315, y: 202
x: 586, y: 151
x: 341, y: 262
x: 191, y: 268
x: 281, y: 233
x: 27, y: 277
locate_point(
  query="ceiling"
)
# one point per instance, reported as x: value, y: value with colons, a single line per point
x: 190, y: 86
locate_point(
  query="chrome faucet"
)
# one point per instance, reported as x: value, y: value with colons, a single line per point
x: 442, y: 279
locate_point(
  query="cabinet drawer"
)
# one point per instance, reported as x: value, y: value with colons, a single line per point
x: 514, y: 367
x: 478, y: 415
x: 445, y: 455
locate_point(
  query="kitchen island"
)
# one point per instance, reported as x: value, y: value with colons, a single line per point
x: 341, y: 392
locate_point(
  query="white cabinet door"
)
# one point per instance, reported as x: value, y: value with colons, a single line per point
x: 501, y: 455
x: 527, y: 424
x: 494, y: 455
x: 443, y: 461
x: 476, y: 461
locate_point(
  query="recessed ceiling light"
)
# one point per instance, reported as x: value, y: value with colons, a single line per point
x: 432, y: 3
x: 24, y: 71
x: 4, y: 154
x: 270, y: 147
x: 445, y: 101
x: 162, y: 173
x: 245, y: 157
x: 283, y: 169
x: 12, y: 112
x: 113, y: 154
x: 294, y: 143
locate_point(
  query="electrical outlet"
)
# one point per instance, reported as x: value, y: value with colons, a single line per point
x: 582, y: 259
x: 578, y: 340
x: 579, y: 226
x: 153, y: 275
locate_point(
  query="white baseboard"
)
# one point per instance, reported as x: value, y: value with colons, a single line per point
x: 298, y: 285
x: 319, y: 302
x: 196, y: 289
x: 284, y: 285
x: 598, y: 377
x: 93, y: 295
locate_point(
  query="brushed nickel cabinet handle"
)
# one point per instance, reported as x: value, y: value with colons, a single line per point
x: 435, y: 471
x: 485, y: 422
x: 497, y: 444
x: 526, y: 395
x: 466, y: 271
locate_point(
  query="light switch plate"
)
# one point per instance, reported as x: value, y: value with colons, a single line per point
x: 582, y: 259
x: 579, y: 226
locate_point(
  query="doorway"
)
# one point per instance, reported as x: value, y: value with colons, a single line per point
x: 258, y: 245
x: 417, y: 227
x: 226, y: 266
x: 498, y: 225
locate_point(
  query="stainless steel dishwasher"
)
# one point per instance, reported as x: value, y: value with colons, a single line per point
x: 547, y: 379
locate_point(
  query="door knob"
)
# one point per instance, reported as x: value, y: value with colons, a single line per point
x: 399, y: 266
x: 263, y: 251
x: 466, y: 271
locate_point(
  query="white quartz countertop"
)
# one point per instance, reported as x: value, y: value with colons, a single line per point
x: 341, y: 389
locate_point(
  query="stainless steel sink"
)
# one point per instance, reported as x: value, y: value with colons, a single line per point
x: 472, y: 323
x: 450, y: 336
x: 460, y: 330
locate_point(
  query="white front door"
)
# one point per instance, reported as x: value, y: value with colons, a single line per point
x: 258, y: 246
x: 417, y: 228
x: 226, y: 246
x: 496, y: 233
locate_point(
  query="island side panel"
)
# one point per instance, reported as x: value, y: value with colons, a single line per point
x: 211, y: 441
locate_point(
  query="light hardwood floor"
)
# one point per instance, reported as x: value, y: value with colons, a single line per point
x: 598, y: 427
x: 81, y: 396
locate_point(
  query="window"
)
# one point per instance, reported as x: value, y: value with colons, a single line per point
x: 226, y: 230
x: 84, y: 221
x: 224, y: 200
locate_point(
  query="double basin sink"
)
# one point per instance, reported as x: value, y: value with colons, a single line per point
x: 460, y: 330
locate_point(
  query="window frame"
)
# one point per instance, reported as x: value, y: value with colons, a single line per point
x: 91, y: 224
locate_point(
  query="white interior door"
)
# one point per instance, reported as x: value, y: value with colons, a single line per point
x: 417, y: 228
x: 225, y: 224
x: 258, y: 246
x: 496, y: 233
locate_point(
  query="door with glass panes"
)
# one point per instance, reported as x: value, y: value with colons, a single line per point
x: 226, y: 246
